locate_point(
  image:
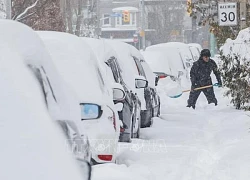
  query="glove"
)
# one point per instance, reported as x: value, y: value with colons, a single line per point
x: 219, y: 85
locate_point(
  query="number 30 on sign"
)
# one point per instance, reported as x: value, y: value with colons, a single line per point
x: 227, y: 14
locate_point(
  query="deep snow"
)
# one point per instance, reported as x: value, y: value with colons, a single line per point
x: 209, y: 143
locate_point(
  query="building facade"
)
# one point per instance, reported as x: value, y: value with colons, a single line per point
x: 120, y: 20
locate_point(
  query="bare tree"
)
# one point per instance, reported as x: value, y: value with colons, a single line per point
x: 39, y: 14
x: 73, y: 12
x: 167, y: 20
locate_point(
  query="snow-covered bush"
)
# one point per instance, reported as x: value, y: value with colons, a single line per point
x: 235, y: 71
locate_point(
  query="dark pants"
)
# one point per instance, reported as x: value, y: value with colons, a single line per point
x: 209, y: 93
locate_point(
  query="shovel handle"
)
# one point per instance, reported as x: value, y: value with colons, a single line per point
x: 199, y: 88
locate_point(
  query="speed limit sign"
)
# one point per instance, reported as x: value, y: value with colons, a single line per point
x: 227, y: 14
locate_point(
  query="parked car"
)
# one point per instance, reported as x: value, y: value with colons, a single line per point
x: 148, y: 96
x: 108, y: 57
x: 134, y: 85
x: 59, y: 99
x: 151, y: 97
x: 76, y: 63
x: 32, y: 145
x: 179, y: 65
x: 165, y: 63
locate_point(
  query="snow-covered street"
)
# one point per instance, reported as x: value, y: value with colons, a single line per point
x: 209, y: 143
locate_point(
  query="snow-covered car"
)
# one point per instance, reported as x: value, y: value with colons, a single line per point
x: 160, y: 64
x: 150, y: 104
x: 32, y: 144
x: 151, y: 98
x: 182, y: 48
x: 133, y: 83
x: 167, y: 60
x: 108, y: 58
x: 76, y: 63
x: 60, y: 100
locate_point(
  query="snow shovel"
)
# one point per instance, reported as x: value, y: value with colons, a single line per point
x: 199, y: 88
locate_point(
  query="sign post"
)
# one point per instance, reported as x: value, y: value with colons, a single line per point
x: 227, y: 14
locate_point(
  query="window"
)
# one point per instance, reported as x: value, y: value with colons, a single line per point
x: 106, y: 19
x: 139, y: 67
x: 115, y: 70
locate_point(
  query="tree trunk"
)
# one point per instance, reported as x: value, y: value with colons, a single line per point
x: 69, y: 16
x: 79, y: 18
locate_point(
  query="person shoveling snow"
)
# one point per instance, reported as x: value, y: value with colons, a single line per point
x: 200, y: 77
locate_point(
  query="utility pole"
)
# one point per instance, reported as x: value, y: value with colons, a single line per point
x: 8, y: 9
x: 243, y: 11
x: 143, y: 25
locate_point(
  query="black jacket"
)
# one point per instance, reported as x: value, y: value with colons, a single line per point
x: 201, y: 71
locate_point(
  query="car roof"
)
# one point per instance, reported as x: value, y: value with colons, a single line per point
x: 126, y: 62
x: 33, y: 52
x: 77, y: 64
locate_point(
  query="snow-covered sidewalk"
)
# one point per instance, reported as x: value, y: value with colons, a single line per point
x: 209, y: 143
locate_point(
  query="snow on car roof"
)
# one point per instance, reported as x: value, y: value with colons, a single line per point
x: 76, y: 63
x: 126, y: 62
x: 172, y: 54
x: 33, y: 52
x: 102, y: 49
x: 32, y: 145
x: 157, y: 61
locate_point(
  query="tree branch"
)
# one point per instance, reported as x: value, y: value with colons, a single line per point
x: 26, y: 10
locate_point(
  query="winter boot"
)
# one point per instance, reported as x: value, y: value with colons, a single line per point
x: 189, y: 106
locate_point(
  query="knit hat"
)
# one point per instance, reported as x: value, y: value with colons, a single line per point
x: 205, y: 52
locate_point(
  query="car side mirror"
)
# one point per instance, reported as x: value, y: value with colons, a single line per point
x: 119, y: 106
x: 90, y: 111
x: 87, y: 169
x: 141, y: 83
x: 118, y: 94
